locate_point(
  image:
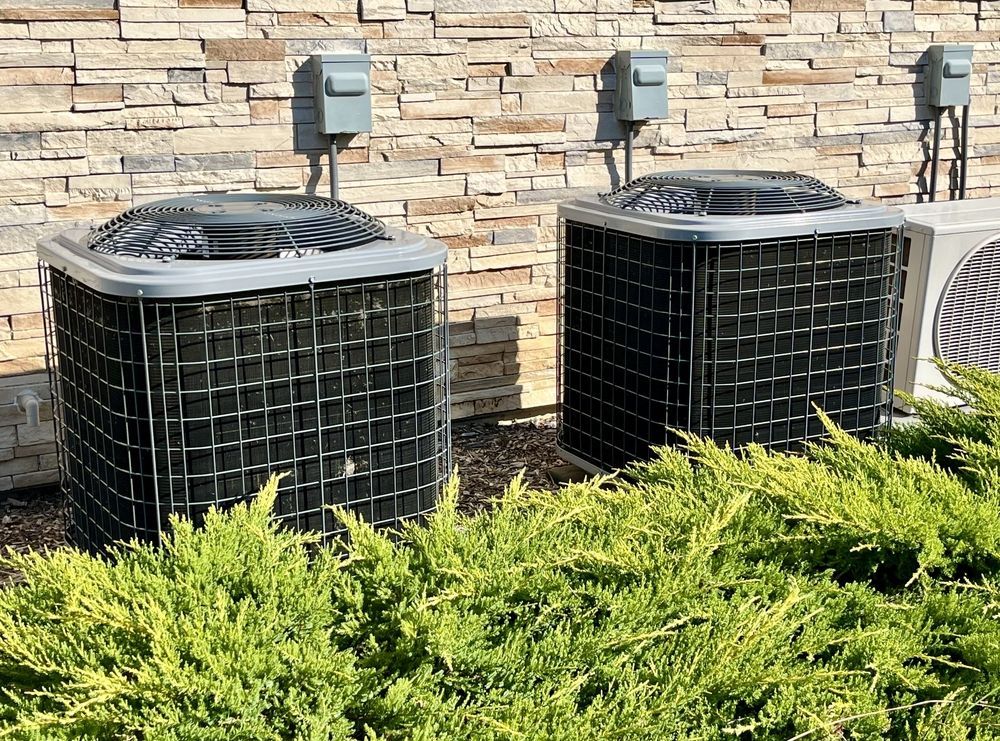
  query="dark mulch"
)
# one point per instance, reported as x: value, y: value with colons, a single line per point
x: 30, y: 521
x: 488, y: 456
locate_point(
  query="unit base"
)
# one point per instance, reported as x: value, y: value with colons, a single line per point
x: 590, y: 468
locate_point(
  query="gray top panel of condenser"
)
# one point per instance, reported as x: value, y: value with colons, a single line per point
x: 851, y: 217
x: 114, y: 275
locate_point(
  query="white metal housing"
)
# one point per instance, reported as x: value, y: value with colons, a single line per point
x: 950, y: 292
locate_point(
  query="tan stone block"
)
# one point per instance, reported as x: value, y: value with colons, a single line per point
x: 563, y: 24
x: 264, y: 110
x: 32, y: 347
x: 73, y: 29
x: 57, y: 14
x: 26, y: 60
x: 522, y: 67
x: 492, y: 279
x: 486, y: 182
x: 100, y: 187
x: 495, y: 69
x: 519, y: 124
x: 36, y: 98
x: 20, y: 301
x: 823, y: 6
x: 182, y: 47
x: 303, y: 6
x: 485, y: 163
x: 92, y: 107
x: 24, y: 187
x: 279, y: 178
x: 435, y: 206
x: 245, y: 50
x: 464, y: 241
x: 130, y: 142
x: 141, y: 60
x: 807, y: 76
x: 575, y: 102
x: 96, y: 210
x: 391, y: 170
x: 10, y: 30
x: 464, y: 32
x: 488, y: 19
x: 791, y: 109
x: 525, y: 140
x: 29, y: 323
x: 42, y: 168
x: 382, y: 10
x: 397, y: 191
x: 461, y: 108
x: 64, y: 140
x: 99, y: 46
x: 119, y: 76
x: 423, y: 67
x: 233, y: 138
x: 256, y: 72
x: 36, y: 76
x: 97, y: 94
x: 574, y: 66
x: 540, y: 83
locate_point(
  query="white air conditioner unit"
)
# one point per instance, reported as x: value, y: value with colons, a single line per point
x: 949, y: 294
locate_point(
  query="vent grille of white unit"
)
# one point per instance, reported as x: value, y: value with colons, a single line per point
x: 967, y: 330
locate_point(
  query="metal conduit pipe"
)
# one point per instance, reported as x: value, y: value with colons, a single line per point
x: 629, y: 136
x: 334, y: 176
x: 965, y: 151
x: 935, y: 152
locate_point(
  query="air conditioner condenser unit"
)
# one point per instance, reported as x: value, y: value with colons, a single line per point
x: 200, y: 344
x: 949, y: 293
x: 729, y: 304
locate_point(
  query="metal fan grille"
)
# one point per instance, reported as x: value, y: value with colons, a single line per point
x: 243, y: 226
x: 725, y: 193
x: 739, y: 342
x: 168, y: 407
x: 967, y: 330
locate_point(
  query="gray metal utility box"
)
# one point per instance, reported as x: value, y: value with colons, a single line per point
x: 641, y: 88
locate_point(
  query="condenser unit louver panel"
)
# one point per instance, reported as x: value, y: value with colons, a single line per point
x: 692, y: 311
x: 252, y: 335
x: 950, y: 293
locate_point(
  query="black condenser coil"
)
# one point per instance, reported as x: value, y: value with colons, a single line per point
x: 728, y: 304
x: 199, y: 344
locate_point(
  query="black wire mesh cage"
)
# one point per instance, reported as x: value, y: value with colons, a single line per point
x: 324, y: 359
x: 729, y: 325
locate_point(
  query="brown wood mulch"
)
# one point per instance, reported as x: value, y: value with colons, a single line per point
x: 488, y: 456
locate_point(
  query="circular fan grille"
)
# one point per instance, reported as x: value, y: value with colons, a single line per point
x: 236, y: 227
x: 967, y: 330
x: 725, y: 193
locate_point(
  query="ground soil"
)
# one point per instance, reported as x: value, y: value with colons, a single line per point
x: 488, y: 456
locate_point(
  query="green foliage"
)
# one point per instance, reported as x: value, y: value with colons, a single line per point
x: 853, y: 593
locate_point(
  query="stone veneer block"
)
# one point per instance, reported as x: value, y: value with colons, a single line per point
x: 245, y: 50
x: 383, y: 10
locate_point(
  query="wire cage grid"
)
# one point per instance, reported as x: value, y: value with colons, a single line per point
x: 734, y: 341
x: 174, y: 406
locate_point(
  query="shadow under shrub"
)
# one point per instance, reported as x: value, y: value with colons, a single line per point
x: 850, y: 594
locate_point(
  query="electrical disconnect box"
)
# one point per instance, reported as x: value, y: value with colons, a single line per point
x: 948, y: 75
x: 342, y: 91
x: 641, y: 88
